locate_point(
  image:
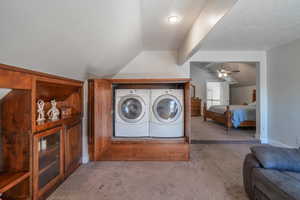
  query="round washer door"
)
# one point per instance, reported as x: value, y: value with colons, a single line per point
x: 167, y: 108
x: 131, y: 108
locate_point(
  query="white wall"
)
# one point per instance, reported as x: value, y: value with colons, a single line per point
x: 245, y: 56
x: 154, y: 64
x: 241, y: 95
x: 85, y: 151
x: 284, y: 94
x: 199, y: 78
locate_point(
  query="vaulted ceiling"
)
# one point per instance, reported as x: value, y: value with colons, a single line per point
x: 256, y: 25
x: 158, y: 34
x: 70, y: 37
x: 80, y: 38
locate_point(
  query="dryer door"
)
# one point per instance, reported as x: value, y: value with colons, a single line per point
x: 131, y: 108
x: 167, y: 108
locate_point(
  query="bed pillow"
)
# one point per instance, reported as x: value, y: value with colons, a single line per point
x: 252, y: 104
x: 277, y: 158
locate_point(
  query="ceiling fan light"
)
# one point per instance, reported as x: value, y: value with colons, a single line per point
x: 173, y: 19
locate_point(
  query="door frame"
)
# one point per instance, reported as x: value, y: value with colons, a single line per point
x: 258, y: 57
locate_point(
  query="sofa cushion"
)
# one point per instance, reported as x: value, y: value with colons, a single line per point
x: 278, y: 158
x: 276, y: 185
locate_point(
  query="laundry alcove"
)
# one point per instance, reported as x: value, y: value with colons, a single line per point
x: 104, y: 144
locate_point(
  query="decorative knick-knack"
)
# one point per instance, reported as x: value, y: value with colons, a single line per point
x: 41, y: 112
x: 43, y: 145
x: 53, y: 113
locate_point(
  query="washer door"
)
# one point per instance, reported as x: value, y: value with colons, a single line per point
x: 167, y: 108
x: 131, y: 108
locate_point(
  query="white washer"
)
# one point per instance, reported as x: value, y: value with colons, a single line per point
x: 167, y: 113
x: 132, y: 113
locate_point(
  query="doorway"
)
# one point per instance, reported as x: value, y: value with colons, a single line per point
x: 221, y: 86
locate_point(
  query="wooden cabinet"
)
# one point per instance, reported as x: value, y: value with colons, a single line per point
x: 15, y: 145
x: 73, y: 146
x: 195, y: 107
x: 36, y: 157
x: 48, y: 164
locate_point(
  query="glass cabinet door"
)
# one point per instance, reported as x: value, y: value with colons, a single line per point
x: 48, y: 165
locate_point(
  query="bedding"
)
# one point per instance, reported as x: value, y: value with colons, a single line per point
x: 240, y: 113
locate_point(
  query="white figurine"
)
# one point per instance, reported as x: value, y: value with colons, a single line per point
x: 41, y: 112
x: 53, y: 113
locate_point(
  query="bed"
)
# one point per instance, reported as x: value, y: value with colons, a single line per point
x: 233, y: 115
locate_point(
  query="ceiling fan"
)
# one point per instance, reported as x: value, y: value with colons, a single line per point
x: 226, y: 70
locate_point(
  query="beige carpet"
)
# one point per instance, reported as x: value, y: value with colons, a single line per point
x: 213, y: 131
x: 214, y: 173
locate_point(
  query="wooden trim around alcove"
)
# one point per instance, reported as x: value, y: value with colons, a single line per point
x: 41, y: 75
x: 102, y: 145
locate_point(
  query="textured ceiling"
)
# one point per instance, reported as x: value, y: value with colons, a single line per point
x: 246, y: 76
x: 80, y: 38
x: 256, y: 25
x: 158, y: 34
x: 70, y: 37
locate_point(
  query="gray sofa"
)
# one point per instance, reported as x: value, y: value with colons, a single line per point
x: 272, y: 173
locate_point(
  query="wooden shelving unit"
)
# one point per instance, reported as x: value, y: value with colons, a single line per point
x: 50, y: 164
x: 10, y: 179
x: 20, y: 174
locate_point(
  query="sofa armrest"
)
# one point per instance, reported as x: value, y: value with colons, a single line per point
x: 250, y: 163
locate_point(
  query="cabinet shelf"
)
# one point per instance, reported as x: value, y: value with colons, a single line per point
x: 49, y: 124
x: 11, y: 179
x: 47, y: 167
x: 49, y: 151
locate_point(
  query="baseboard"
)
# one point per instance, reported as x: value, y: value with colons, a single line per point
x: 85, y: 159
x: 146, y: 152
x: 279, y: 144
x: 264, y: 140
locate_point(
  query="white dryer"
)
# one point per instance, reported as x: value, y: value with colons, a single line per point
x: 167, y: 113
x: 132, y: 112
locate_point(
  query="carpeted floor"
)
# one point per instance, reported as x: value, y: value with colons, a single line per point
x: 213, y: 131
x: 214, y: 173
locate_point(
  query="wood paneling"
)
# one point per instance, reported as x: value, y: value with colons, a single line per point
x: 48, y: 91
x: 101, y: 116
x: 187, y: 111
x: 146, y: 152
x: 41, y: 75
x: 73, y: 146
x: 150, y: 86
x: 16, y: 144
x: 16, y: 128
x: 10, y: 179
x: 15, y: 80
x: 142, y: 81
x: 91, y: 119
